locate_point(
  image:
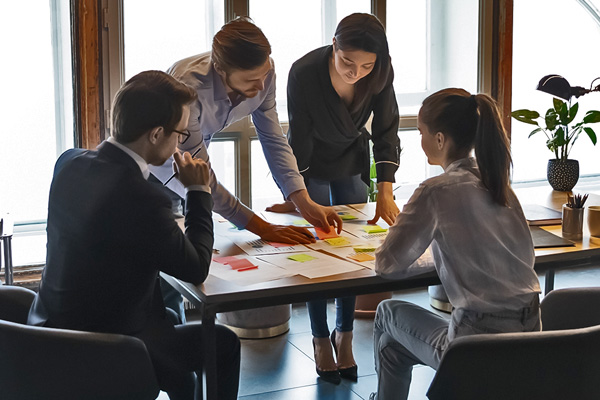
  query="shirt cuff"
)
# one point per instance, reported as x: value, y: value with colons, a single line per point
x: 199, y: 188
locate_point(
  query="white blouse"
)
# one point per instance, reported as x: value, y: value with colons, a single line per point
x: 483, y: 252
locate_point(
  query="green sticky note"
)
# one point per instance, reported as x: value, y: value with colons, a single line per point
x: 301, y: 257
x: 347, y: 217
x: 338, y: 241
x: 373, y: 229
x: 301, y: 222
x: 364, y: 248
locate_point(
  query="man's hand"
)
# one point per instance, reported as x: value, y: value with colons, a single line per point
x: 315, y: 214
x: 279, y: 233
x: 386, y: 206
x: 190, y: 171
x: 285, y: 207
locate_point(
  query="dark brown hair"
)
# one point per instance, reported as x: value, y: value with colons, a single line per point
x: 240, y: 45
x: 146, y: 101
x: 473, y: 121
x: 365, y: 32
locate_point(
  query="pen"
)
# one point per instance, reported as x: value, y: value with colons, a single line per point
x: 175, y: 174
x: 247, y: 268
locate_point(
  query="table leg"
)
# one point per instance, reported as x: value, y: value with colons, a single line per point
x: 549, y: 281
x: 209, y: 344
x: 8, y: 267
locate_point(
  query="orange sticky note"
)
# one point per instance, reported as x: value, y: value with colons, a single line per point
x: 360, y: 257
x: 321, y: 234
x: 225, y: 260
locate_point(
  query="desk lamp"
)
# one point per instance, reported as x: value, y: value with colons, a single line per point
x: 558, y: 86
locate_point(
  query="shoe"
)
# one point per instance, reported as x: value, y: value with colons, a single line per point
x: 350, y: 373
x: 327, y: 376
x: 373, y: 396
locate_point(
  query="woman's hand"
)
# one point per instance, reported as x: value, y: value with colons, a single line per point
x: 386, y: 206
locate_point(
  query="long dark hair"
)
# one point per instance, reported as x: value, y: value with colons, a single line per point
x: 473, y: 121
x: 365, y: 32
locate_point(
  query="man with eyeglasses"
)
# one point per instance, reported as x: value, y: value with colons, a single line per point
x: 233, y: 81
x: 110, y: 233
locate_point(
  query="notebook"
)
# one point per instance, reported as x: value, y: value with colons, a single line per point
x: 544, y: 239
x: 540, y: 215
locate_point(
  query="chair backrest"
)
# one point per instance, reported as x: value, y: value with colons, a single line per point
x: 47, y: 363
x: 14, y: 303
x: 533, y: 365
x: 571, y: 308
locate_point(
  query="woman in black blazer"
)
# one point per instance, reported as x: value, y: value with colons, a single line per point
x: 332, y: 92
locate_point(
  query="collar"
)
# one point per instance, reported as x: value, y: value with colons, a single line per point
x: 468, y: 162
x: 136, y: 157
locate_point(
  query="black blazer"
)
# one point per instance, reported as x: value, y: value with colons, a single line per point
x: 110, y: 232
x: 329, y: 141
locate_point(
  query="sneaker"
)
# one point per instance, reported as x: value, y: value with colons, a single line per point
x: 373, y: 396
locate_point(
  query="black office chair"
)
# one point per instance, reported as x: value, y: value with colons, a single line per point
x: 571, y: 308
x: 46, y: 363
x: 534, y: 365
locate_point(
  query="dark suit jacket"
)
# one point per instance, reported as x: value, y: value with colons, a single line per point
x: 110, y: 232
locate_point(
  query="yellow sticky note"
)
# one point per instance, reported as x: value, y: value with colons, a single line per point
x: 360, y: 257
x: 364, y: 248
x: 301, y: 257
x: 301, y: 222
x: 338, y: 241
x: 373, y: 229
x: 347, y: 217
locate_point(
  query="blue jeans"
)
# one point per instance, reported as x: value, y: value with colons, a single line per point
x: 405, y: 334
x: 350, y: 190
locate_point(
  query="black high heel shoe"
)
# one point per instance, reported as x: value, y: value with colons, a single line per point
x: 328, y: 376
x: 350, y: 373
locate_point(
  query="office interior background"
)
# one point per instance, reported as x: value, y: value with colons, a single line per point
x: 65, y: 59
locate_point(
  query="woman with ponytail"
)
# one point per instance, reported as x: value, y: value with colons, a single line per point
x: 479, y: 238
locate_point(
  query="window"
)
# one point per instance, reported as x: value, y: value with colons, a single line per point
x: 554, y: 39
x: 36, y: 105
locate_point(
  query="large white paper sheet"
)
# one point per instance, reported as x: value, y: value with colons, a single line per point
x: 264, y: 273
x: 320, y: 264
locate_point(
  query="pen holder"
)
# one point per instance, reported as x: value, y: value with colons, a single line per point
x: 572, y: 222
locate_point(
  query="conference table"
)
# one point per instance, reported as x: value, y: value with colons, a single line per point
x: 217, y: 295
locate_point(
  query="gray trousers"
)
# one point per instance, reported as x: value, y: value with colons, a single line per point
x: 406, y: 334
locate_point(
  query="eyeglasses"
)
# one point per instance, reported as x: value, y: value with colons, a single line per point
x: 183, y: 136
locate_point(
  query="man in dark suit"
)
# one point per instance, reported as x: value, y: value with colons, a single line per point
x: 110, y: 232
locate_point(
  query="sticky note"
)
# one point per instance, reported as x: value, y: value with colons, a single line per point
x: 338, y: 241
x: 364, y: 248
x: 373, y: 229
x: 225, y: 260
x: 301, y: 222
x: 321, y: 234
x: 241, y: 263
x: 301, y: 257
x: 360, y: 257
x: 346, y: 217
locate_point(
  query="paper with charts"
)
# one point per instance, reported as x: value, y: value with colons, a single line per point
x: 311, y: 264
x: 254, y: 246
x: 366, y: 231
x: 244, y: 270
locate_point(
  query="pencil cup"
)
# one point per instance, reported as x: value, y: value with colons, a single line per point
x: 572, y: 222
x: 594, y: 220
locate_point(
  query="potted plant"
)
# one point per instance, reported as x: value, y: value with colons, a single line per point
x: 561, y: 135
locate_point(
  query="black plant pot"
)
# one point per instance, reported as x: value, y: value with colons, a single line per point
x: 563, y: 174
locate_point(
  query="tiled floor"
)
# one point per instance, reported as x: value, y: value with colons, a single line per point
x: 282, y: 368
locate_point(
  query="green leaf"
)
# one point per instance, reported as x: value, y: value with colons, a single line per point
x: 572, y: 113
x: 533, y: 132
x: 526, y: 116
x: 563, y: 114
x: 558, y: 104
x: 592, y: 135
x: 592, y: 117
x: 551, y: 119
x: 559, y: 137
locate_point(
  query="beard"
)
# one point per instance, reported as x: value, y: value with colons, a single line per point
x: 247, y: 94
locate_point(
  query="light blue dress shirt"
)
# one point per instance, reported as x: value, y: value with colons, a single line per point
x: 213, y: 112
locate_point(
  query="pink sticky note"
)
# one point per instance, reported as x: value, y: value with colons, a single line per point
x: 321, y: 234
x: 225, y: 260
x: 239, y: 264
